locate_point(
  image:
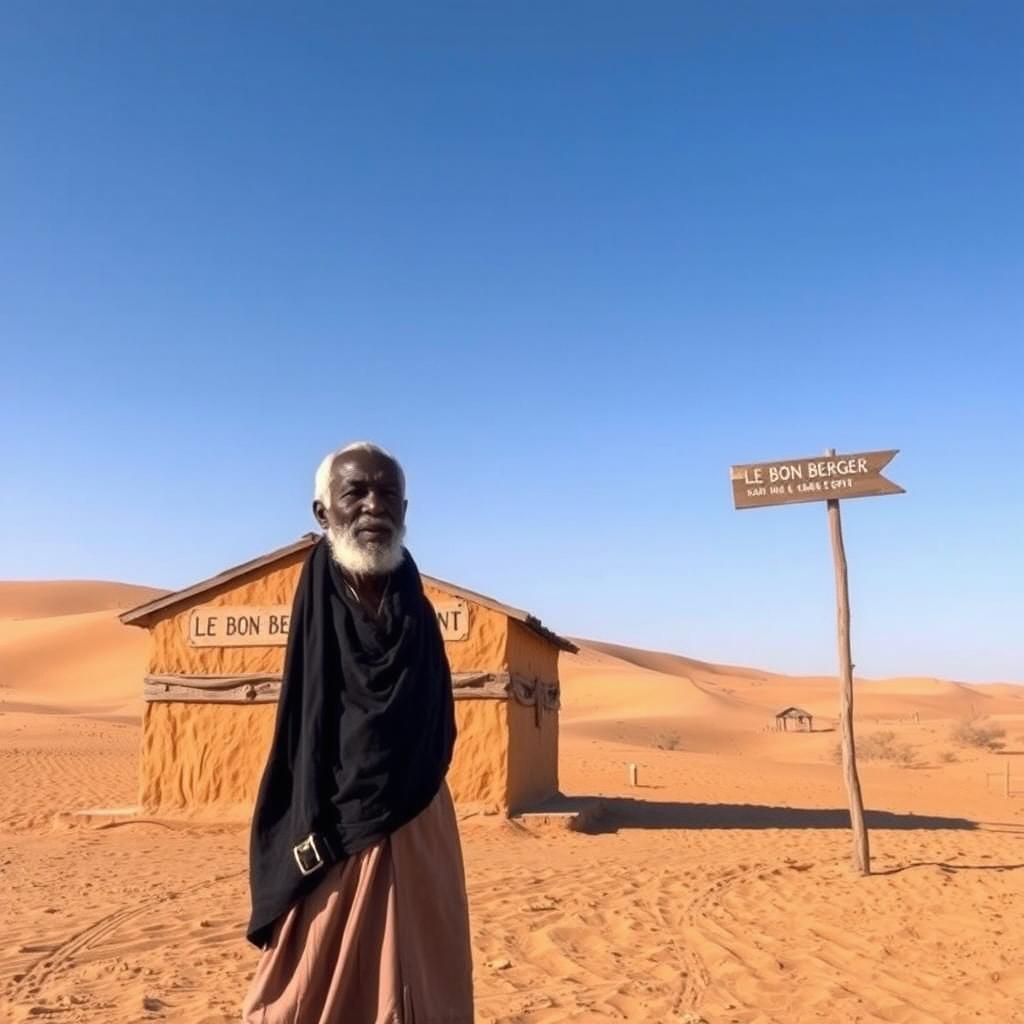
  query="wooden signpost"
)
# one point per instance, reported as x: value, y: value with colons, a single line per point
x: 828, y: 478
x: 820, y: 479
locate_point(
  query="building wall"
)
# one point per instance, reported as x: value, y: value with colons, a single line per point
x: 484, y: 650
x: 529, y: 654
x: 198, y: 756
x: 532, y: 756
x: 209, y: 757
x: 478, y: 776
x: 171, y: 654
x: 533, y: 737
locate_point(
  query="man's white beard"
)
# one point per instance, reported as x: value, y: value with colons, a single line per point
x: 362, y: 559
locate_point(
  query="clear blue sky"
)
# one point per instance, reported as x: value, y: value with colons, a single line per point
x: 570, y: 262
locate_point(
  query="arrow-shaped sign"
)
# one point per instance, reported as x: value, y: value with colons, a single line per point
x: 816, y: 479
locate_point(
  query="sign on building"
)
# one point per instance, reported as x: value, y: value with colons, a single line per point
x: 267, y: 626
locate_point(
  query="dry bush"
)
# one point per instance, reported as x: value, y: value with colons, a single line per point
x: 948, y: 757
x: 978, y: 731
x: 668, y: 741
x: 879, y: 746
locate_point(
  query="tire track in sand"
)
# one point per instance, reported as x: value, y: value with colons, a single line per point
x: 51, y: 962
x: 696, y: 973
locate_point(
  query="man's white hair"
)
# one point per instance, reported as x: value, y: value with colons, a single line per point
x: 322, y: 480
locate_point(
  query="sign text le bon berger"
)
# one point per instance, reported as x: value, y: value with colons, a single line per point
x: 817, y: 479
x: 267, y: 626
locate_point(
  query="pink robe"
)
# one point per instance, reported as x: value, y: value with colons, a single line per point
x: 383, y: 939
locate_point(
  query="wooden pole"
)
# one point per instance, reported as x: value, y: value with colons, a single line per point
x: 861, y: 853
x: 1006, y: 787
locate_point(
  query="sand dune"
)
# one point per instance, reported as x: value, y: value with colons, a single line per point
x: 616, y: 687
x: 628, y: 698
x: 1013, y: 691
x: 671, y: 664
x: 604, y: 677
x: 31, y: 599
x: 63, y: 650
x: 718, y: 890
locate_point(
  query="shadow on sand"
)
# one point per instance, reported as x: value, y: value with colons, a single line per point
x: 617, y: 813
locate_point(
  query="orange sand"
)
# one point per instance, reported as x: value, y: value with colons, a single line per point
x: 718, y: 890
x: 63, y: 650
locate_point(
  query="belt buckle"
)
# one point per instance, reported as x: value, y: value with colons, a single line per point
x: 307, y: 856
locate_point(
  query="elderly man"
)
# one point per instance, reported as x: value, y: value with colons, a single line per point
x: 356, y: 876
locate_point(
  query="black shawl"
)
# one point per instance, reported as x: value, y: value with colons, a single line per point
x: 364, y: 731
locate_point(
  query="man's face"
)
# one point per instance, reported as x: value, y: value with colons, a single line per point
x: 365, y: 518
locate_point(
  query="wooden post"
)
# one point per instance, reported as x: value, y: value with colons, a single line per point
x: 861, y: 853
x: 632, y: 774
x: 788, y: 482
x: 1006, y: 787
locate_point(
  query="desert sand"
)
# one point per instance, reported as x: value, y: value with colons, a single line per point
x: 718, y: 889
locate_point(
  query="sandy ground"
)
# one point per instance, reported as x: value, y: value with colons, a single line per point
x: 719, y: 889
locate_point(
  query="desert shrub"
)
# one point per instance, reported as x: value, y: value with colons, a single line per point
x: 878, y: 746
x: 978, y: 731
x: 948, y: 757
x: 668, y: 741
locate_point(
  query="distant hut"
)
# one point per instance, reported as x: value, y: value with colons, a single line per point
x: 803, y: 719
x: 214, y: 677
